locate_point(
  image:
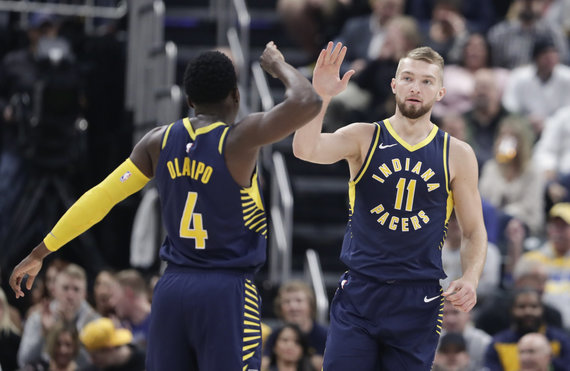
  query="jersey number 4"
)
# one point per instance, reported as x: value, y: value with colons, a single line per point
x: 191, y: 223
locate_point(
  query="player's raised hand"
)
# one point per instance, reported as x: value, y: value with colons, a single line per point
x: 268, y: 58
x: 462, y: 294
x: 326, y: 76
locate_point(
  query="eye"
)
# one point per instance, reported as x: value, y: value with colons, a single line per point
x: 427, y: 82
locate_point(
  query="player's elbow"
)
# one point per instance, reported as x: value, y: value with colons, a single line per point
x: 301, y: 152
x: 308, y: 106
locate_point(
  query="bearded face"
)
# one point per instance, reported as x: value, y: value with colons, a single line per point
x: 417, y: 86
x: 412, y: 108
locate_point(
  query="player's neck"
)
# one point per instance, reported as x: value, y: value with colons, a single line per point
x: 412, y: 131
x: 205, y: 119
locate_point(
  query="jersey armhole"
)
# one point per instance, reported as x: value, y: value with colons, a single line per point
x: 369, y: 154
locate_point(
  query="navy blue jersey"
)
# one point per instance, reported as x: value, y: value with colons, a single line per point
x: 211, y: 221
x: 400, y: 202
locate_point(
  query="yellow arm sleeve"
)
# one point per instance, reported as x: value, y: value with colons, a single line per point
x: 95, y: 204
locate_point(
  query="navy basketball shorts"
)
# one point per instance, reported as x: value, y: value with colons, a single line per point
x: 383, y: 325
x: 204, y: 320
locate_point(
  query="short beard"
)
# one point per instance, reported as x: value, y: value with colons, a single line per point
x: 412, y: 112
x: 524, y: 327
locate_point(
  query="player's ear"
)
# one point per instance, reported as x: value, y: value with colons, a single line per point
x: 190, y: 103
x: 393, y: 85
x: 440, y: 94
x: 236, y: 95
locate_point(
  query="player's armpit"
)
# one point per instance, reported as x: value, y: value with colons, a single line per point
x: 95, y: 204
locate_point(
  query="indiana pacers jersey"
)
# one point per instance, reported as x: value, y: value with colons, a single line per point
x: 400, y: 202
x: 211, y: 221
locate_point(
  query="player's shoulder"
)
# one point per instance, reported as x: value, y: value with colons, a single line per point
x: 459, y: 148
x: 358, y: 130
x: 462, y: 158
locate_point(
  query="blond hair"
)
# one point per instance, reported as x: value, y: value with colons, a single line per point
x: 295, y: 286
x: 426, y: 54
x: 132, y: 279
x: 6, y: 323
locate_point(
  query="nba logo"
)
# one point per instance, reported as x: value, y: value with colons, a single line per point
x: 188, y: 146
x: 125, y: 176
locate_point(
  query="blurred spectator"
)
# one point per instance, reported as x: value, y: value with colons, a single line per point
x: 555, y: 254
x: 509, y: 182
x: 483, y: 120
x: 9, y: 336
x: 365, y: 35
x: 62, y: 347
x: 18, y: 75
x: 534, y: 353
x: 295, y: 303
x: 451, y: 261
x: 46, y: 290
x: 495, y: 315
x: 512, y: 40
x: 480, y: 14
x: 455, y: 125
x: 132, y: 305
x: 103, y: 290
x: 369, y: 94
x: 69, y: 304
x: 527, y: 315
x: 476, y: 340
x: 290, y: 350
x: 111, y: 348
x: 310, y: 23
x: 451, y: 354
x: 459, y: 78
x: 447, y: 31
x: 539, y: 89
x: 552, y: 156
x: 558, y: 12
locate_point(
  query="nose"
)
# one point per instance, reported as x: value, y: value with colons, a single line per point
x: 414, y: 88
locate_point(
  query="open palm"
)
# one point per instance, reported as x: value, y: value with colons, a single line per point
x: 326, y: 76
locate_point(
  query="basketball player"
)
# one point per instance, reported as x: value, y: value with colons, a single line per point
x: 205, y: 308
x: 405, y: 178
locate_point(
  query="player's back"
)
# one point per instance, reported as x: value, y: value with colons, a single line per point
x: 400, y: 202
x: 211, y: 221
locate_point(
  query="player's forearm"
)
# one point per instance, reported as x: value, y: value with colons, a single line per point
x: 95, y: 204
x: 306, y: 139
x: 473, y: 255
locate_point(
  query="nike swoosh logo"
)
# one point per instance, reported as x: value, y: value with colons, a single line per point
x: 426, y: 300
x: 382, y: 145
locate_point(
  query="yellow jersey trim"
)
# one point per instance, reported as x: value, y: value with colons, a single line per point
x: 352, y: 183
x: 222, y: 137
x: 405, y: 144
x: 450, y: 201
x: 445, y: 140
x: 166, y: 135
x: 369, y: 158
x: 193, y: 133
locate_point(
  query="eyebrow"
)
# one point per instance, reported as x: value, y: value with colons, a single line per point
x: 430, y: 76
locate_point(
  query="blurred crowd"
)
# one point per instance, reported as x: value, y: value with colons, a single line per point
x: 507, y: 79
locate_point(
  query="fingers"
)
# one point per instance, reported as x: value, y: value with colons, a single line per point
x: 341, y: 55
x: 450, y: 290
x: 30, y: 282
x: 15, y: 282
x: 321, y: 59
x: 347, y: 77
x: 328, y: 53
x: 462, y: 298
